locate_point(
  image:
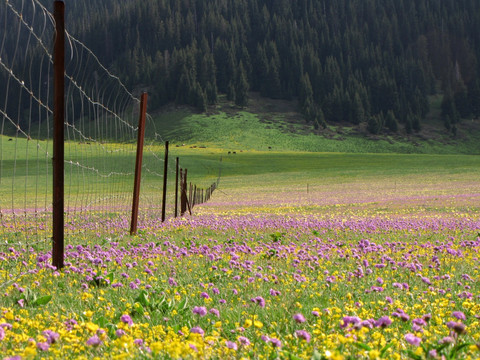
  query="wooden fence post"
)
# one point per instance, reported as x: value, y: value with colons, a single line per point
x: 165, y: 168
x: 183, y: 192
x: 138, y: 163
x: 190, y: 193
x: 58, y: 245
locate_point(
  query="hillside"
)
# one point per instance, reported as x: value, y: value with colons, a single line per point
x: 276, y: 125
x: 371, y: 64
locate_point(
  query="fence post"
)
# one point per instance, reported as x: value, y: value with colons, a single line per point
x: 219, y: 171
x: 183, y: 192
x: 165, y: 168
x: 138, y: 163
x: 194, y: 196
x: 58, y: 204
x: 176, y: 187
x: 190, y: 193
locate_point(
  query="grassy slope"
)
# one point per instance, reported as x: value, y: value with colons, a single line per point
x: 272, y: 124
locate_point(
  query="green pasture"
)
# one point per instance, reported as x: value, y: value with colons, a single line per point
x: 94, y: 170
x: 243, y: 130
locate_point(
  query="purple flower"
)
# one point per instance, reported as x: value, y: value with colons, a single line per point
x: 426, y: 280
x: 43, y: 346
x: 70, y: 324
x: 275, y: 342
x: 383, y: 322
x: 120, y: 333
x: 126, y: 319
x: 172, y: 282
x: 447, y: 340
x: 260, y: 301
x: 138, y: 342
x: 315, y: 313
x: 302, y: 334
x: 200, y: 310
x: 299, y: 318
x: 215, y: 312
x: 243, y: 341
x: 350, y: 320
x: 205, y: 295
x: 2, y: 333
x: 459, y: 315
x: 275, y: 292
x: 197, y: 330
x: 51, y: 336
x: 417, y: 328
x: 94, y: 341
x: 458, y: 327
x: 412, y: 339
x: 231, y: 345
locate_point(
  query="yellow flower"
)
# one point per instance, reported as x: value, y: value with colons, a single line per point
x: 258, y: 324
x: 373, y: 354
x: 8, y: 315
x: 91, y: 327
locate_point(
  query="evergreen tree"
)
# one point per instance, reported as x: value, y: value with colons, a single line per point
x: 474, y: 97
x: 358, y: 112
x: 391, y: 122
x: 375, y: 124
x: 462, y: 103
x: 241, y: 87
x: 449, y: 109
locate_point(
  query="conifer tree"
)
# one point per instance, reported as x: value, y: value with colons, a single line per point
x: 241, y: 87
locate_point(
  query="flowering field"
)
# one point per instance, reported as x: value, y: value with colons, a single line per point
x: 365, y: 268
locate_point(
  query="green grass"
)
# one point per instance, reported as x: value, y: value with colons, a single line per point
x: 24, y: 181
x: 243, y: 130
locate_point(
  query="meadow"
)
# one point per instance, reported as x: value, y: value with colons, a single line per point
x: 296, y: 256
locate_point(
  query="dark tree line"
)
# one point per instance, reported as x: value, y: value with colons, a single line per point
x: 357, y: 61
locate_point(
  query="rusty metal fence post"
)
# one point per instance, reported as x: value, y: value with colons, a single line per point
x: 58, y: 245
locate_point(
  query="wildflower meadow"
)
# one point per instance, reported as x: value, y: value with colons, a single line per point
x: 355, y: 267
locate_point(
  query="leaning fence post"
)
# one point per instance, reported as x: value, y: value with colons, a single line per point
x: 183, y: 192
x: 138, y: 163
x: 58, y: 204
x: 165, y: 168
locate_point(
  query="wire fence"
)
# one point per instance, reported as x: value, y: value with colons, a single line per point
x: 101, y: 127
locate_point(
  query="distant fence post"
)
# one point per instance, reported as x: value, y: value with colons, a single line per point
x: 176, y: 187
x: 138, y: 163
x: 183, y: 192
x: 195, y: 200
x: 58, y: 244
x: 165, y: 168
x: 219, y: 171
x: 190, y: 194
